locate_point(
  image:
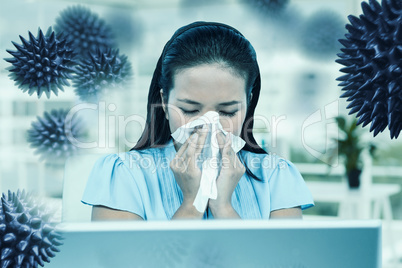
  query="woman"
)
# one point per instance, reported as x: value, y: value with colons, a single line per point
x: 204, y: 67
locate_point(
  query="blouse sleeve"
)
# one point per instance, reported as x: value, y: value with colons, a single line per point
x: 287, y: 188
x: 112, y: 184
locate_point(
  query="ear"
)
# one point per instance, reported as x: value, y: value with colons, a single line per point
x: 164, y: 105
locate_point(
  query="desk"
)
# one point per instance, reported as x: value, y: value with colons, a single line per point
x: 356, y: 203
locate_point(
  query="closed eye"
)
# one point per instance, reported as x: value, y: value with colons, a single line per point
x: 222, y: 113
x: 192, y: 112
x: 227, y: 113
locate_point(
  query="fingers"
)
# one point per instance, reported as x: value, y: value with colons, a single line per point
x: 183, y: 148
x: 203, y: 132
x: 221, y: 140
x: 178, y: 162
x: 193, y: 145
x: 225, y: 144
x: 227, y: 149
x: 229, y: 157
x: 195, y: 148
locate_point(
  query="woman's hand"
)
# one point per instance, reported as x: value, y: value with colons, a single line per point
x: 188, y: 174
x: 231, y: 172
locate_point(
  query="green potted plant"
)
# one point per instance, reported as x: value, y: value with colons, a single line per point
x: 349, y: 146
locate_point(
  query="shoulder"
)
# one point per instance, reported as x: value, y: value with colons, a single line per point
x: 146, y: 158
x: 266, y: 160
x: 115, y: 161
x: 265, y: 165
x: 135, y: 161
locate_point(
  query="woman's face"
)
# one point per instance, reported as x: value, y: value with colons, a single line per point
x: 207, y: 87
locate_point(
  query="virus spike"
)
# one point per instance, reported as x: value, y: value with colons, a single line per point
x: 363, y: 118
x: 57, y: 242
x: 9, y: 217
x: 36, y: 236
x: 6, y: 263
x: 23, y: 218
x: 50, y: 253
x: 31, y: 260
x: 20, y: 259
x: 54, y: 248
x: 44, y: 255
x: 20, y: 207
x: 368, y: 12
x: 9, y: 238
x: 5, y: 206
x: 3, y: 227
x: 24, y: 230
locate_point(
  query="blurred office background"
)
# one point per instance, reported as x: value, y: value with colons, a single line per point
x: 296, y: 44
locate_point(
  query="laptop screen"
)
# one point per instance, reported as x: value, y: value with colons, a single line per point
x: 220, y: 243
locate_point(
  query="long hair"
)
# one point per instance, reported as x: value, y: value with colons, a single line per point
x: 192, y: 45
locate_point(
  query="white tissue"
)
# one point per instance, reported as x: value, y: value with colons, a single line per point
x: 210, y: 159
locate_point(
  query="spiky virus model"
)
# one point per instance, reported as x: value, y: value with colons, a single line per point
x: 372, y: 55
x: 319, y: 34
x: 27, y: 234
x: 51, y: 135
x: 84, y: 29
x: 101, y: 71
x: 42, y: 64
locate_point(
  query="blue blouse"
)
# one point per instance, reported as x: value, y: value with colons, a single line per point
x: 142, y: 182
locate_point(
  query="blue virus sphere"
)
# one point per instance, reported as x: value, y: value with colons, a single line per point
x: 50, y: 135
x: 372, y: 56
x: 84, y: 29
x: 42, y: 64
x: 27, y: 234
x: 101, y: 71
x: 319, y: 34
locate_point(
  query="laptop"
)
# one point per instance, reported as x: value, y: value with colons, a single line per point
x: 220, y: 243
